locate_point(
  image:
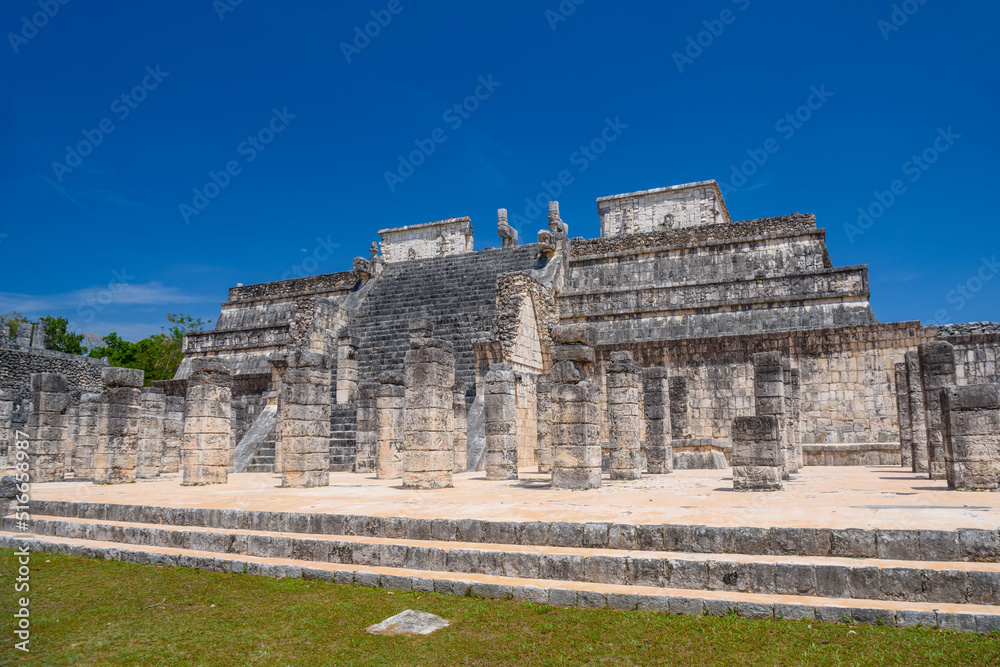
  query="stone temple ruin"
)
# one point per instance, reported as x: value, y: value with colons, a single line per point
x: 679, y: 346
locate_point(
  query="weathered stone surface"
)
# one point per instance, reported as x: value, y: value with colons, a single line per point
x: 409, y: 622
x: 208, y: 447
x: 149, y: 457
x: 937, y: 367
x: 624, y: 383
x: 970, y: 417
x: 429, y: 412
x: 758, y: 460
x: 500, y: 413
x: 656, y: 397
x: 46, y: 427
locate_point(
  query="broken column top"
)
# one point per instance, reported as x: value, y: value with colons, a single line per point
x: 571, y: 334
x: 766, y: 359
x: 622, y: 362
x: 49, y: 382
x: 391, y: 377
x: 112, y: 376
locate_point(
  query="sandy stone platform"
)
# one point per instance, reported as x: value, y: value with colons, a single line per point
x: 886, y: 497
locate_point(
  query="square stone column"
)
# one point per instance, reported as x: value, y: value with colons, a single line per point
x: 72, y: 431
x: 38, y: 335
x: 656, y: 397
x: 47, y: 426
x: 118, y: 426
x: 207, y: 422
x: 86, y: 436
x: 789, y: 434
x: 937, y: 366
x: 6, y: 420
x: 576, y: 444
x: 624, y: 381
x: 461, y: 427
x: 390, y: 404
x: 366, y: 438
x: 769, y: 399
x: 173, y: 433
x: 23, y: 335
x: 971, y: 416
x: 429, y: 457
x: 543, y: 409
x: 304, y: 421
x: 903, y: 416
x: 918, y: 415
x: 680, y: 418
x: 347, y: 366
x: 758, y: 460
x: 794, y: 385
x: 500, y: 414
x: 153, y: 406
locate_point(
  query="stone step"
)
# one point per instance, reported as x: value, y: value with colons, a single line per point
x: 963, y: 544
x: 956, y: 583
x: 966, y: 618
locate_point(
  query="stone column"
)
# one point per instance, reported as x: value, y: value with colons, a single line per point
x: 679, y: 416
x: 758, y: 460
x: 769, y: 398
x: 429, y: 457
x: 38, y: 335
x: 937, y: 364
x: 86, y: 436
x: 544, y: 412
x: 47, y: 426
x: 788, y: 406
x: 366, y: 440
x: 72, y: 428
x: 918, y: 415
x: 6, y: 420
x: 656, y: 397
x: 624, y: 393
x: 390, y: 403
x: 347, y: 367
x: 23, y: 334
x: 500, y: 414
x: 461, y: 427
x: 795, y: 385
x: 4, y: 335
x: 903, y: 416
x: 304, y: 421
x: 118, y: 426
x: 173, y: 433
x: 149, y: 460
x: 207, y: 422
x: 971, y: 417
x: 576, y: 434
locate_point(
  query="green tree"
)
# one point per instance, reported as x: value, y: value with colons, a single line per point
x: 58, y: 336
x: 158, y: 356
x: 13, y: 320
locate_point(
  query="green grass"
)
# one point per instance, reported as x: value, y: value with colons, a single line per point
x: 89, y: 612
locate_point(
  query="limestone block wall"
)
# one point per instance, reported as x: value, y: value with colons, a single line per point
x: 431, y: 239
x: 674, y: 207
x: 18, y: 363
x: 846, y: 379
x: 977, y: 357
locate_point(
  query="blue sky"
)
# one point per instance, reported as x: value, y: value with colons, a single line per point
x: 300, y: 132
